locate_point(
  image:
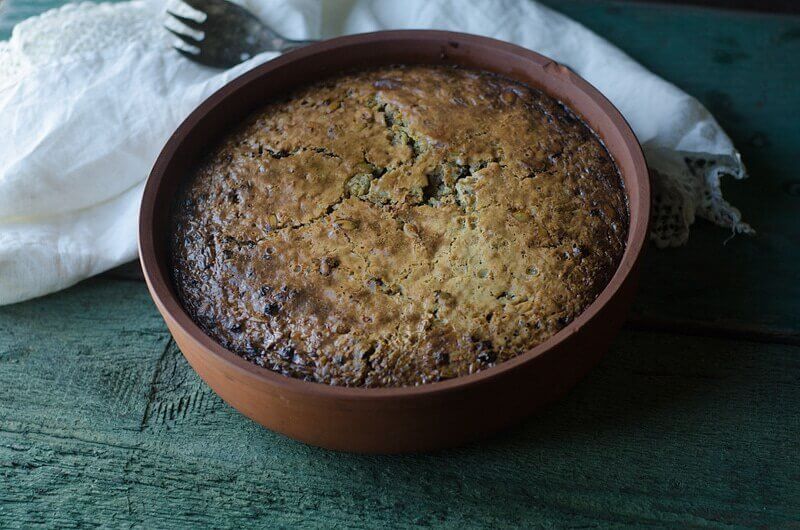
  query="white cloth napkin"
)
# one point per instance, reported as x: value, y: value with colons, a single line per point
x: 89, y: 93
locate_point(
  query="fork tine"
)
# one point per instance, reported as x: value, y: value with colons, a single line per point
x: 188, y: 39
x: 230, y: 33
x: 186, y: 53
x: 217, y: 8
x: 189, y: 22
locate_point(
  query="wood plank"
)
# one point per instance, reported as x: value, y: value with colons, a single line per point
x: 746, y: 70
x: 766, y: 6
x: 102, y: 422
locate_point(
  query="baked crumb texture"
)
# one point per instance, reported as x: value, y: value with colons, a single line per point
x: 398, y: 226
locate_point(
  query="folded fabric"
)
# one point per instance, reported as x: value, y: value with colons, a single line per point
x: 89, y: 93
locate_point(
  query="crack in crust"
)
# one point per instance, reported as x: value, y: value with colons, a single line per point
x: 398, y: 226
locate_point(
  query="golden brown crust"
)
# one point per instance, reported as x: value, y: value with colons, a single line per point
x: 398, y: 226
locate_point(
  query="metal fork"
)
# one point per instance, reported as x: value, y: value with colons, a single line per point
x: 231, y: 34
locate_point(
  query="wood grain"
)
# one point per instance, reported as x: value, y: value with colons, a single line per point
x: 691, y: 420
x: 746, y: 70
x: 105, y: 424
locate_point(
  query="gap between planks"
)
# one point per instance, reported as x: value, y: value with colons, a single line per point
x: 727, y: 330
x: 731, y: 331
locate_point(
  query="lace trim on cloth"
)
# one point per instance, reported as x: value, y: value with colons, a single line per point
x: 685, y: 185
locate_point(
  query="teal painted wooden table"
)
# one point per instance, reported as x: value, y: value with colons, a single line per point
x: 692, y: 419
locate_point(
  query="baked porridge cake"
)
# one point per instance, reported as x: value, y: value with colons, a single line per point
x: 397, y: 226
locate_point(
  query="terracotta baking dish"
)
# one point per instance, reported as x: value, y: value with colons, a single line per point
x: 395, y: 419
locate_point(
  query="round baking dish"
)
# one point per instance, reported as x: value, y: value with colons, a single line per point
x: 412, y: 418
